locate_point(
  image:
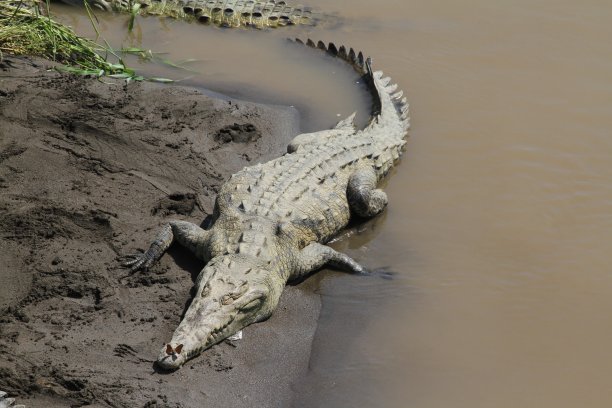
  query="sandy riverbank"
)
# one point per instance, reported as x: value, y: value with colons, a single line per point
x: 88, y: 171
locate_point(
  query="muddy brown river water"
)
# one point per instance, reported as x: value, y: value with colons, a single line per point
x: 499, y: 227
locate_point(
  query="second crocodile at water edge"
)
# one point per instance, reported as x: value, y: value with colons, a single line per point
x: 224, y: 13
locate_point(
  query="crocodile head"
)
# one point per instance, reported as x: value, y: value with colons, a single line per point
x: 232, y: 292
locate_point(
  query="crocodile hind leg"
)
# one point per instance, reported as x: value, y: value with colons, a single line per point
x: 185, y: 233
x: 364, y: 198
x: 314, y: 256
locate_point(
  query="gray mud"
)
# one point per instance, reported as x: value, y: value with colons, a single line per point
x: 88, y: 172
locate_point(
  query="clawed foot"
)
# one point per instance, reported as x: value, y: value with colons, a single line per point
x: 145, y: 260
x: 139, y: 261
x: 383, y: 273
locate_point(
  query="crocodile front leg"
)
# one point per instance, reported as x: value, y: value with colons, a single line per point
x: 185, y: 233
x: 364, y: 198
x: 315, y: 256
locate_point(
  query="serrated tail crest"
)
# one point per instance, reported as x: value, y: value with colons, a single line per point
x: 386, y: 99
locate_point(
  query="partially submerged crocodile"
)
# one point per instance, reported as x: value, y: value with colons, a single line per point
x: 226, y: 13
x: 271, y: 220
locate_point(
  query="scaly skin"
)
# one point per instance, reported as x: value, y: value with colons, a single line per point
x: 225, y: 13
x: 271, y: 220
x: 6, y: 402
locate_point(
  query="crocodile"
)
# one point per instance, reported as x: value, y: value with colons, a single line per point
x: 225, y: 13
x: 6, y: 402
x: 271, y: 221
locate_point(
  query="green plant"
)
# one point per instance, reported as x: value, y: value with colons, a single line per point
x: 26, y: 28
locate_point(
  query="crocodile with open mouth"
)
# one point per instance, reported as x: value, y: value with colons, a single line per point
x: 271, y: 221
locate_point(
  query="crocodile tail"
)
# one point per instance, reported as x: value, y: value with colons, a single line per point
x: 389, y: 107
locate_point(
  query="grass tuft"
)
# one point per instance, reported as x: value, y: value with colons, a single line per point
x: 25, y: 29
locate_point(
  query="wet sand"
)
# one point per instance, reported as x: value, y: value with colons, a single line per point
x: 88, y: 171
